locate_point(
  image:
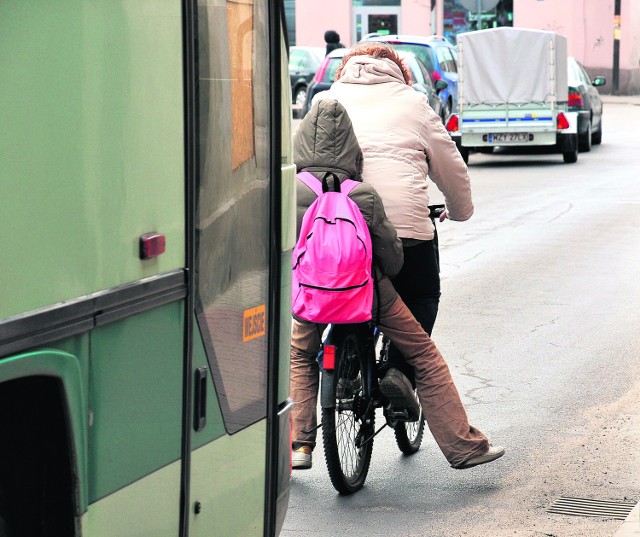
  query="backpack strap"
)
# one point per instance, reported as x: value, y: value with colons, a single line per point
x: 314, y: 184
x: 310, y: 180
x: 348, y: 185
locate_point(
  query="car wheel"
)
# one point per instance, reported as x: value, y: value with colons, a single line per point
x: 446, y: 112
x: 464, y: 152
x: 584, y: 140
x: 596, y: 137
x: 301, y: 96
x: 569, y: 157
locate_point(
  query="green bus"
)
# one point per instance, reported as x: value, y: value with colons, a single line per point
x: 147, y: 201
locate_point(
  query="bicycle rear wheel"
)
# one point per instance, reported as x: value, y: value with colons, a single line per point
x: 409, y: 434
x: 348, y: 427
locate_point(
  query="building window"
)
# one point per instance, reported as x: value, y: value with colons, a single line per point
x: 375, y: 3
x: 458, y: 19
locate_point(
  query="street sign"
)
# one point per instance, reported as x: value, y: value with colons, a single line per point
x: 485, y: 5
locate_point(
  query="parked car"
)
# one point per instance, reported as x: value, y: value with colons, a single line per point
x: 585, y: 99
x: 420, y: 79
x: 440, y: 58
x: 325, y: 75
x: 303, y: 64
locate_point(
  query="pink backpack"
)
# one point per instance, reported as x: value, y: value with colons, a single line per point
x: 331, y: 279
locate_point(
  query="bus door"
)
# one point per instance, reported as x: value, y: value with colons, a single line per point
x: 236, y: 326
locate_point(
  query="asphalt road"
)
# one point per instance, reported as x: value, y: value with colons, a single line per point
x: 539, y: 322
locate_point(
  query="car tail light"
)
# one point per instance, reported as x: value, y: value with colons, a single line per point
x: 452, y: 124
x: 563, y: 122
x: 575, y: 99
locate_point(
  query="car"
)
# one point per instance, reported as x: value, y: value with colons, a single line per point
x: 421, y: 81
x: 440, y: 58
x: 324, y: 76
x: 585, y: 99
x: 420, y: 78
x: 303, y: 64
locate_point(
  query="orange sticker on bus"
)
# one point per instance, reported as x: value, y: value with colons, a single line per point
x: 254, y: 323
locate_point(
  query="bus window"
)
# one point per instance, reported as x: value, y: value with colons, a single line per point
x: 233, y: 205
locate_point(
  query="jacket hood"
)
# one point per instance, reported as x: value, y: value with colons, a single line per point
x: 326, y: 142
x: 368, y: 70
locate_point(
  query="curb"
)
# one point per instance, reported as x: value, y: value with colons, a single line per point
x: 621, y: 99
x: 631, y: 526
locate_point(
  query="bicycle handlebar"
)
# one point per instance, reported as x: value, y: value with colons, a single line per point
x: 435, y: 211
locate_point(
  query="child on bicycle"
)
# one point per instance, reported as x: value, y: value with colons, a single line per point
x: 325, y: 142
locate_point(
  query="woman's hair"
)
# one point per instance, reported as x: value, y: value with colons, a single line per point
x: 376, y: 50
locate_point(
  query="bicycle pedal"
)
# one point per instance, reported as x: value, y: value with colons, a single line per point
x: 397, y: 414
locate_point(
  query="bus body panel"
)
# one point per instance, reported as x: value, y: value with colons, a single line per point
x: 88, y: 162
x: 135, y: 398
x: 237, y: 465
x: 150, y: 506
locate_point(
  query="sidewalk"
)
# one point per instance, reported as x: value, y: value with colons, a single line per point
x: 621, y: 99
x: 631, y: 526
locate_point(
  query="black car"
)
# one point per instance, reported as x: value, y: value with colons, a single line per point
x: 303, y: 64
x: 585, y: 99
x: 421, y: 81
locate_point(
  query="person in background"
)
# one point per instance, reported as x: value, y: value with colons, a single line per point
x: 332, y: 39
x: 326, y: 144
x: 404, y: 142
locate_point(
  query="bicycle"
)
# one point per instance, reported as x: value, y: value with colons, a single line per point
x: 349, y: 396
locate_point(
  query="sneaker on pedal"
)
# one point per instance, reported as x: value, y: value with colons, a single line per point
x: 397, y: 388
x: 301, y: 458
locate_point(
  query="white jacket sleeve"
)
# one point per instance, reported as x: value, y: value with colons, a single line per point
x: 447, y: 168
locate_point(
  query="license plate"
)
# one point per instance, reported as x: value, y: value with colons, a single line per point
x: 510, y: 137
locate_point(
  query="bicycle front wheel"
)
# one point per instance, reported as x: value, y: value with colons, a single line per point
x: 348, y: 427
x: 409, y: 433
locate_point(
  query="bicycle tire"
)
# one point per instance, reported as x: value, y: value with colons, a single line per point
x: 409, y: 434
x: 348, y: 427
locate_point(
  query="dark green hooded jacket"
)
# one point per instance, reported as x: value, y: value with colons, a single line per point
x: 325, y: 142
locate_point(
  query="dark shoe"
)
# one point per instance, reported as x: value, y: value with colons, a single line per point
x: 398, y: 389
x: 493, y: 453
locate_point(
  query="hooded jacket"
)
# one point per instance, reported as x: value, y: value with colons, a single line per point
x: 325, y: 142
x: 403, y: 141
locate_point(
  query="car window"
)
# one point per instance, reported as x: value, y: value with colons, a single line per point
x: 585, y: 75
x: 330, y: 71
x: 453, y: 65
x: 422, y: 52
x: 297, y: 59
x: 316, y: 56
x: 454, y: 53
x: 445, y: 60
x: 573, y: 73
x: 416, y: 74
x: 426, y: 76
x: 577, y: 75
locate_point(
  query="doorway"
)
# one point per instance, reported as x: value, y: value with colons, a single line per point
x: 382, y: 20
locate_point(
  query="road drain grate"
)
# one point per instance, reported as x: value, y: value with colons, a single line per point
x: 586, y: 507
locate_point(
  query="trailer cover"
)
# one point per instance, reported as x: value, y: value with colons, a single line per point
x: 512, y: 66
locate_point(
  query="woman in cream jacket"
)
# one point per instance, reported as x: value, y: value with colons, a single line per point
x: 404, y: 142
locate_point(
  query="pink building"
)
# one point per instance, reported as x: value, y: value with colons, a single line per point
x: 588, y: 25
